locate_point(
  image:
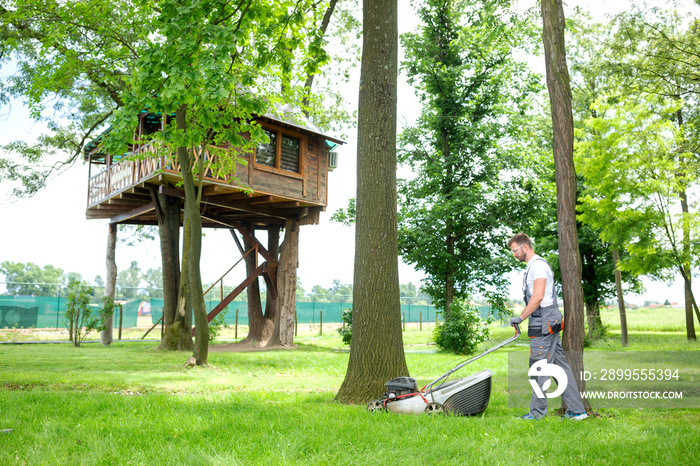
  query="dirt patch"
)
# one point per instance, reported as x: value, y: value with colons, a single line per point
x: 247, y: 347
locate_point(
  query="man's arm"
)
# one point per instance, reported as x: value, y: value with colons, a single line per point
x: 538, y: 287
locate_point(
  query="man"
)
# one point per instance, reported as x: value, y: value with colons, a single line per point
x: 545, y: 323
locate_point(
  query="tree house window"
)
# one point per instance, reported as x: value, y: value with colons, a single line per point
x: 267, y: 153
x: 283, y: 152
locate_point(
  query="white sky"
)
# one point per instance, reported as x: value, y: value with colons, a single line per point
x: 51, y: 227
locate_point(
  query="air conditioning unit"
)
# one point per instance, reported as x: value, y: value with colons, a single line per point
x: 332, y: 160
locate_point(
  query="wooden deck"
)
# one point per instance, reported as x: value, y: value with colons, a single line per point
x: 124, y: 191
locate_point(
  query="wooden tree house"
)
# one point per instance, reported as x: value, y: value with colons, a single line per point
x: 282, y: 184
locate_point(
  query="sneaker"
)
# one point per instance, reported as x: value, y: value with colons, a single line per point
x: 575, y: 416
x: 528, y: 417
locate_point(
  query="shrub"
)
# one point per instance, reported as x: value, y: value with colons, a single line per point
x: 79, y: 312
x: 462, y: 330
x: 217, y: 324
x: 346, y: 330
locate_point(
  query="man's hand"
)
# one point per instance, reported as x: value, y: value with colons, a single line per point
x: 516, y: 320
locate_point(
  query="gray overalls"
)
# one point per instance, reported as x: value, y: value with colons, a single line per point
x: 544, y: 325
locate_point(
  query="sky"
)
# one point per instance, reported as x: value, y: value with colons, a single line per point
x: 51, y: 229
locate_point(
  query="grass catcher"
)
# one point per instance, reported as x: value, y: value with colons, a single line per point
x: 467, y: 396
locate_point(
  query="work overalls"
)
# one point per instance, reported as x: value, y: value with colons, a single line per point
x: 544, y: 325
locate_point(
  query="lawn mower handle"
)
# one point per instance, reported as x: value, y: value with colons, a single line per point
x: 461, y: 365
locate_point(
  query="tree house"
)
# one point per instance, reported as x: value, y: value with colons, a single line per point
x: 285, y: 180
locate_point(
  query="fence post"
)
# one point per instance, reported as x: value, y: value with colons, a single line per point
x: 296, y: 325
x: 121, y: 321
x: 321, y: 332
x: 404, y: 321
x: 420, y: 317
x: 58, y: 305
x: 235, y: 337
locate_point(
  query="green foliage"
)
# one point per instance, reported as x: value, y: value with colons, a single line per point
x: 346, y: 330
x: 79, y: 313
x: 30, y: 279
x: 462, y: 329
x: 107, y: 311
x: 217, y: 324
x: 73, y: 60
x: 475, y: 173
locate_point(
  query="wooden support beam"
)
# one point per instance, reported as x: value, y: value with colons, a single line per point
x: 231, y: 296
x: 247, y: 234
x: 270, y: 276
x: 133, y: 213
x: 132, y: 196
x: 124, y: 202
x: 262, y: 200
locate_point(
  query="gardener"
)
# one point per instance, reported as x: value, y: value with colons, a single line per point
x: 544, y: 326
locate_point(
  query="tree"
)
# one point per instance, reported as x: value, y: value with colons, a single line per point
x: 128, y: 282
x: 665, y: 62
x: 376, y: 349
x: 214, y: 65
x: 652, y: 62
x: 30, y: 279
x: 466, y: 150
x: 563, y: 149
x: 631, y: 166
x: 74, y: 59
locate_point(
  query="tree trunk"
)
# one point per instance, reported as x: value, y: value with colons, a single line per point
x: 689, y: 301
x: 449, y: 225
x: 106, y: 336
x: 273, y: 247
x: 191, y: 273
x: 595, y: 324
x: 376, y: 349
x: 283, y: 333
x: 563, y: 142
x: 177, y: 326
x: 685, y: 268
x: 620, y: 299
x: 257, y: 324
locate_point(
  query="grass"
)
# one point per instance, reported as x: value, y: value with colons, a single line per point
x: 131, y: 404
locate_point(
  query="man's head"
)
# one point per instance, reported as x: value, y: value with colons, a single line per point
x: 521, y: 247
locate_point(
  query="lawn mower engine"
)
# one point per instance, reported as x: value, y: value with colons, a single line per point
x: 400, y: 387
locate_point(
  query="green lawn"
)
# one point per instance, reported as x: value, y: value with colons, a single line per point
x: 131, y: 404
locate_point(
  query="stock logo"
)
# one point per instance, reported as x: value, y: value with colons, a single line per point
x: 542, y: 369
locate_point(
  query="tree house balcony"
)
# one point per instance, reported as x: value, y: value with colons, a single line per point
x: 285, y: 179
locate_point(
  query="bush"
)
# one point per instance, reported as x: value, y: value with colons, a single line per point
x: 346, y: 330
x: 462, y: 330
x: 79, y: 312
x: 217, y: 324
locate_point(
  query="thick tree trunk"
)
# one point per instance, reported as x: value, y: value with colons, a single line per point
x: 620, y: 299
x: 193, y: 238
x: 376, y: 350
x: 177, y: 326
x: 283, y: 333
x: 273, y: 247
x: 106, y: 336
x: 259, y: 328
x: 563, y: 127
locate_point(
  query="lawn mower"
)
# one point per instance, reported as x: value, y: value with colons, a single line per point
x: 467, y: 396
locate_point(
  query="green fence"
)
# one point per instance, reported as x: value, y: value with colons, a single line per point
x: 50, y: 312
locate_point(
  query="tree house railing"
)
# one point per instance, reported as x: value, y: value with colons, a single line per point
x: 143, y: 163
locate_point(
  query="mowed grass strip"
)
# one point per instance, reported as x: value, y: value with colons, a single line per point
x: 132, y: 404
